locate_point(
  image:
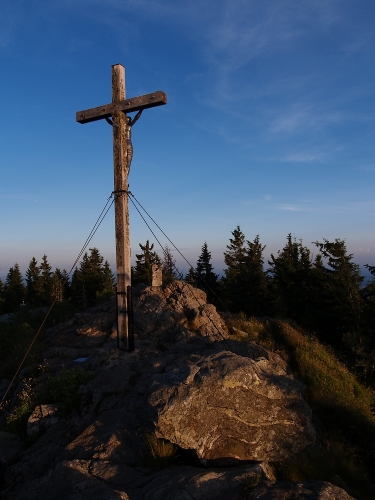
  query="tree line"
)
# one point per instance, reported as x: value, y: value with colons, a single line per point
x: 91, y: 282
x: 324, y: 293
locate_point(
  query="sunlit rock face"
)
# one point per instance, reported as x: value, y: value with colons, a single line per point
x: 176, y: 313
x: 230, y: 407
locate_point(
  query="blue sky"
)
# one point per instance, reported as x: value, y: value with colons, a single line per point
x: 270, y: 123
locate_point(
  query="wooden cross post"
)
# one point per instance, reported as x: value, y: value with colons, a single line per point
x: 122, y: 155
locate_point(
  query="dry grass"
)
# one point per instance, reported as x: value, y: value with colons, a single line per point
x: 243, y: 329
x: 160, y: 451
x: 330, y: 384
x: 341, y: 403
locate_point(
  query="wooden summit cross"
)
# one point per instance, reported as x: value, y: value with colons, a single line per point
x: 122, y: 156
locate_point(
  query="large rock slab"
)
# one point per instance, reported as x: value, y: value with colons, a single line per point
x: 70, y: 480
x: 188, y: 483
x: 230, y: 408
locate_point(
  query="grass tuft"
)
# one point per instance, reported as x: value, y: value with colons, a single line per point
x: 243, y: 329
x: 160, y: 451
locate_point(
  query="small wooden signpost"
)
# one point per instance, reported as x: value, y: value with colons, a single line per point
x: 122, y: 155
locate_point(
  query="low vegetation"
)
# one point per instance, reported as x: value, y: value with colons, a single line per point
x: 345, y: 455
x: 18, y: 332
x: 17, y: 420
x: 160, y: 452
x: 61, y: 389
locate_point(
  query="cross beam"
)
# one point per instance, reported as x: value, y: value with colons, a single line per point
x: 122, y: 155
x: 134, y: 104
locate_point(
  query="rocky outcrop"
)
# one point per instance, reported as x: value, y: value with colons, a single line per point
x: 176, y: 313
x: 219, y: 402
x: 80, y: 337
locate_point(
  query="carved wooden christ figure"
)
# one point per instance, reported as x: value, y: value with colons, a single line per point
x: 115, y: 114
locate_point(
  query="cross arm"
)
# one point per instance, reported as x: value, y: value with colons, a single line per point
x: 134, y: 104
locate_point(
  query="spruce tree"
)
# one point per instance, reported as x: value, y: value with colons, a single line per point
x: 340, y: 291
x: 32, y: 284
x: 254, y: 281
x: 1, y: 297
x: 291, y: 272
x: 88, y: 281
x: 204, y: 276
x: 170, y: 271
x: 66, y: 284
x: 44, y: 282
x: 235, y: 254
x: 14, y: 290
x: 108, y: 283
x: 77, y: 290
x: 57, y: 286
x: 189, y: 278
x: 142, y: 272
x: 233, y: 283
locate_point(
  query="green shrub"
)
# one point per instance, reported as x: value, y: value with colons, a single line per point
x: 17, y: 420
x: 17, y: 335
x: 62, y: 389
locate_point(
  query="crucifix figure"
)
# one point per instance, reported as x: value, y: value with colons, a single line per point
x: 115, y: 114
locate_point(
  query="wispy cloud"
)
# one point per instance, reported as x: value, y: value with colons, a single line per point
x: 349, y: 208
x: 10, y: 15
x: 249, y: 29
x: 26, y: 197
x: 303, y: 157
x: 358, y: 42
x: 290, y: 208
x: 303, y: 116
x: 228, y: 34
x: 290, y: 121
